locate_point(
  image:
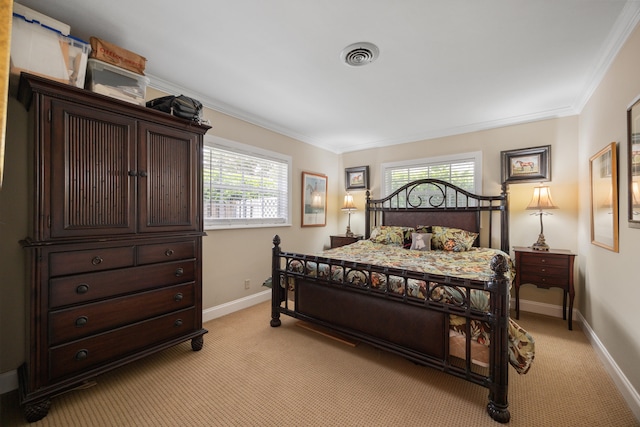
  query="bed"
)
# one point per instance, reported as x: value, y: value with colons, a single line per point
x: 429, y: 282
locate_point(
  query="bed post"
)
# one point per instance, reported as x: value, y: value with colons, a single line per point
x: 498, y: 406
x: 504, y: 219
x: 276, y: 290
x: 367, y: 216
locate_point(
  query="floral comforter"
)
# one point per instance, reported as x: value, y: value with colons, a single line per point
x: 472, y: 264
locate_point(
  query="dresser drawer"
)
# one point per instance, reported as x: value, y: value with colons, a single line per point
x: 162, y: 252
x: 82, y: 321
x: 81, y: 355
x: 73, y: 262
x: 83, y: 288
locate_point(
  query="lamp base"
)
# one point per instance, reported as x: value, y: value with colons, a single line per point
x: 349, y: 233
x: 540, y: 245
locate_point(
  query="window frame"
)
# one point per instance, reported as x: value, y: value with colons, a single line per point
x: 212, y: 141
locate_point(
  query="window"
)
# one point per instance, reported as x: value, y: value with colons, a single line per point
x: 462, y: 170
x: 244, y: 186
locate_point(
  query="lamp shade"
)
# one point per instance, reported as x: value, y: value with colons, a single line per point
x: 348, y: 203
x: 541, y: 199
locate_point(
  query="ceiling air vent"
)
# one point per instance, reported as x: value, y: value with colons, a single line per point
x: 359, y: 54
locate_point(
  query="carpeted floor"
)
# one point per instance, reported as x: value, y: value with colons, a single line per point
x: 249, y: 374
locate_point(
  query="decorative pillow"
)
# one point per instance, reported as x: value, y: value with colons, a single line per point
x: 452, y: 239
x: 421, y: 241
x: 391, y: 235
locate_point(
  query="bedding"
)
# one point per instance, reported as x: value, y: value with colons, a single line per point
x: 470, y: 264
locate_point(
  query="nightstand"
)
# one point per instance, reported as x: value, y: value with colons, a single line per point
x: 546, y: 269
x: 341, y: 240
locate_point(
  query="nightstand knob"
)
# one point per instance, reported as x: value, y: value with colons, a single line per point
x: 178, y: 297
x: 543, y: 260
x: 177, y: 323
x: 543, y: 269
x: 81, y: 321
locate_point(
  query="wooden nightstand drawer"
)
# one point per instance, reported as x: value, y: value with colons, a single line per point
x: 529, y: 270
x: 545, y: 260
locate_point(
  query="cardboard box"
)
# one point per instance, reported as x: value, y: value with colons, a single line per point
x: 115, y: 55
x: 116, y: 82
x: 41, y: 50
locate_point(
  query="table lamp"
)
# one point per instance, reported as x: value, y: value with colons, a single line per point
x: 348, y: 207
x: 540, y: 201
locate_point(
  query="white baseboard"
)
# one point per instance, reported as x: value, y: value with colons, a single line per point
x: 542, y: 308
x: 8, y: 381
x: 629, y: 394
x: 239, y: 304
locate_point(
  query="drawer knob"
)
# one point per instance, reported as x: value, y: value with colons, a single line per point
x: 169, y: 252
x: 81, y: 321
x: 97, y: 260
x: 82, y: 355
x: 178, y: 297
x: 543, y: 260
x: 82, y: 288
x: 543, y: 269
x: 177, y: 323
x: 179, y: 272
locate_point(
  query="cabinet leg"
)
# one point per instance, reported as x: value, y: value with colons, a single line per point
x: 571, y: 312
x: 36, y: 411
x: 197, y: 343
x: 564, y: 305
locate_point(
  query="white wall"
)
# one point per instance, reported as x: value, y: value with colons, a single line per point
x: 609, y: 281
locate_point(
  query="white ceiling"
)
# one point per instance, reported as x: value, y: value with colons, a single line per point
x: 445, y: 67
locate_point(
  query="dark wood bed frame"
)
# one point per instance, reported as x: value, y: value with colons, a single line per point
x: 414, y: 328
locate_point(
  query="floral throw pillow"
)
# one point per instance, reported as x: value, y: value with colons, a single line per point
x: 421, y: 241
x: 391, y: 235
x: 452, y: 239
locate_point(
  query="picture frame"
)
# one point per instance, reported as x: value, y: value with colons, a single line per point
x: 314, y: 200
x: 356, y: 178
x: 633, y: 163
x: 526, y: 165
x: 603, y: 173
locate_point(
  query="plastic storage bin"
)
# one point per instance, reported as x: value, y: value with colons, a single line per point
x: 41, y: 50
x: 116, y: 82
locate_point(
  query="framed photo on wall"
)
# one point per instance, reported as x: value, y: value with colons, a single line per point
x: 314, y: 200
x: 356, y: 178
x: 527, y: 165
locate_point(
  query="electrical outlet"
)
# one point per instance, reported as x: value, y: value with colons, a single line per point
x: 247, y: 284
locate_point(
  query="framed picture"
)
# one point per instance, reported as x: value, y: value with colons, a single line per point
x: 526, y: 165
x: 604, y: 198
x: 356, y: 178
x: 314, y: 200
x: 633, y: 125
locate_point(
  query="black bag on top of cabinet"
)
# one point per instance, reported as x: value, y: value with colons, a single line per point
x: 180, y: 106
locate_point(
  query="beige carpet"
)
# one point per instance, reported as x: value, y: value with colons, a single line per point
x: 249, y: 374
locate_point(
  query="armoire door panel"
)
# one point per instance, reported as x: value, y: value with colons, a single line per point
x: 93, y: 172
x: 168, y: 187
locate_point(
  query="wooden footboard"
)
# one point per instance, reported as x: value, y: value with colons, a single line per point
x: 412, y: 327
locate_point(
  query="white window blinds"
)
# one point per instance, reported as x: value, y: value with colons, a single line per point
x: 244, y: 185
x: 462, y: 170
